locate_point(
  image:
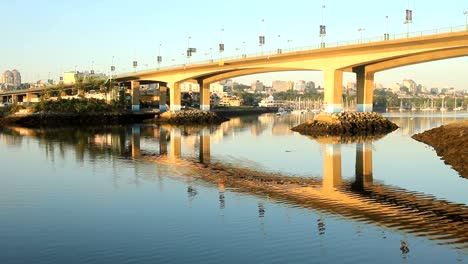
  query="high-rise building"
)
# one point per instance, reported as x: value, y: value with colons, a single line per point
x: 257, y: 86
x: 11, y: 79
x: 282, y: 86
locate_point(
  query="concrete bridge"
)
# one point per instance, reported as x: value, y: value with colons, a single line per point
x: 363, y: 59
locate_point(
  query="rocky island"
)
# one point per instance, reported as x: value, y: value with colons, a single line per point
x: 346, y: 124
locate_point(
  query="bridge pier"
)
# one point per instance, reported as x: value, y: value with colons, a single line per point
x: 174, y: 94
x: 162, y: 97
x: 365, y: 89
x: 204, y: 95
x: 333, y: 90
x: 135, y: 90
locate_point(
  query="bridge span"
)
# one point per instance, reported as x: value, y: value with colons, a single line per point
x: 363, y: 59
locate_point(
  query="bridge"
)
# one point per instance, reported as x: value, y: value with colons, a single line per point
x: 364, y: 58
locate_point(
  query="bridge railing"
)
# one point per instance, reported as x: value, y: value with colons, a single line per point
x: 318, y: 46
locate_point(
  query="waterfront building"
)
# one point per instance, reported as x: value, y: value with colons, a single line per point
x: 11, y: 79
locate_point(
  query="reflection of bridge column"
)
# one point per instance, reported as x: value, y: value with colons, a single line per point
x: 205, y: 137
x: 363, y: 165
x: 175, y: 144
x: 136, y: 151
x: 204, y: 95
x: 162, y: 97
x: 135, y: 86
x: 332, y: 167
x: 174, y: 94
x: 365, y: 89
x: 162, y: 140
x: 333, y: 90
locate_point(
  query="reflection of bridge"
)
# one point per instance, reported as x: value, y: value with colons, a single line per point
x: 364, y: 59
x: 361, y: 199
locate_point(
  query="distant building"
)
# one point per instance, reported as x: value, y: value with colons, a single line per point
x: 257, y: 86
x: 11, y: 79
x: 282, y: 86
x: 310, y: 85
x: 434, y: 90
x: 300, y: 86
x: 395, y: 88
x: 411, y: 85
x: 188, y: 87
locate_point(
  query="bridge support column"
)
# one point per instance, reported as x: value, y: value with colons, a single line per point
x: 363, y: 165
x: 135, y: 86
x: 28, y: 98
x: 174, y: 94
x: 204, y: 95
x: 331, y: 167
x: 333, y: 90
x: 205, y: 137
x: 365, y: 89
x: 162, y: 98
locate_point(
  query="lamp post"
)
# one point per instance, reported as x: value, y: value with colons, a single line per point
x: 221, y: 46
x: 360, y: 30
x: 386, y: 35
x: 261, y: 37
x: 466, y: 23
x: 409, y: 19
x: 323, y: 31
x: 279, y: 51
x: 244, y: 55
x: 159, y: 58
x: 289, y: 44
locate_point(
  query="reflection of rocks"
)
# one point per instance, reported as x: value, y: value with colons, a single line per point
x: 190, y: 117
x: 451, y: 143
x: 346, y: 139
x: 346, y: 123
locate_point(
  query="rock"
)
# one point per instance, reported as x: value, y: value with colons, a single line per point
x: 190, y: 117
x: 346, y: 124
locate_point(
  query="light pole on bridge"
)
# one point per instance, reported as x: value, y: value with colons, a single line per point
x: 360, y: 30
x: 221, y: 46
x: 289, y: 44
x: 261, y: 38
x: 323, y: 31
x: 159, y: 58
x: 466, y: 23
x: 386, y: 35
x: 409, y: 19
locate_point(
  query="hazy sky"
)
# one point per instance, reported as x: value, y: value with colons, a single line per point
x: 43, y: 38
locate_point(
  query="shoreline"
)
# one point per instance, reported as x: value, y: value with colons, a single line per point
x: 450, y: 143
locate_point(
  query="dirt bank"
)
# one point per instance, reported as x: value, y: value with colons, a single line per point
x: 451, y: 143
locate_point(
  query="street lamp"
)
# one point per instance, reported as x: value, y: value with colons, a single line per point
x: 360, y: 31
x: 466, y: 23
x: 261, y: 37
x: 221, y: 46
x: 323, y: 30
x: 289, y: 44
x: 386, y: 35
x: 159, y: 58
x: 409, y: 19
x: 279, y: 51
x: 245, y: 54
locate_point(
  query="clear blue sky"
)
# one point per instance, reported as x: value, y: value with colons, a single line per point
x: 50, y: 36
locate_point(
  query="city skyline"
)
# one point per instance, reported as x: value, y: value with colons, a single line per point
x: 92, y: 35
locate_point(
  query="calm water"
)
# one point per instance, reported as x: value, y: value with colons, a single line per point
x: 249, y: 190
